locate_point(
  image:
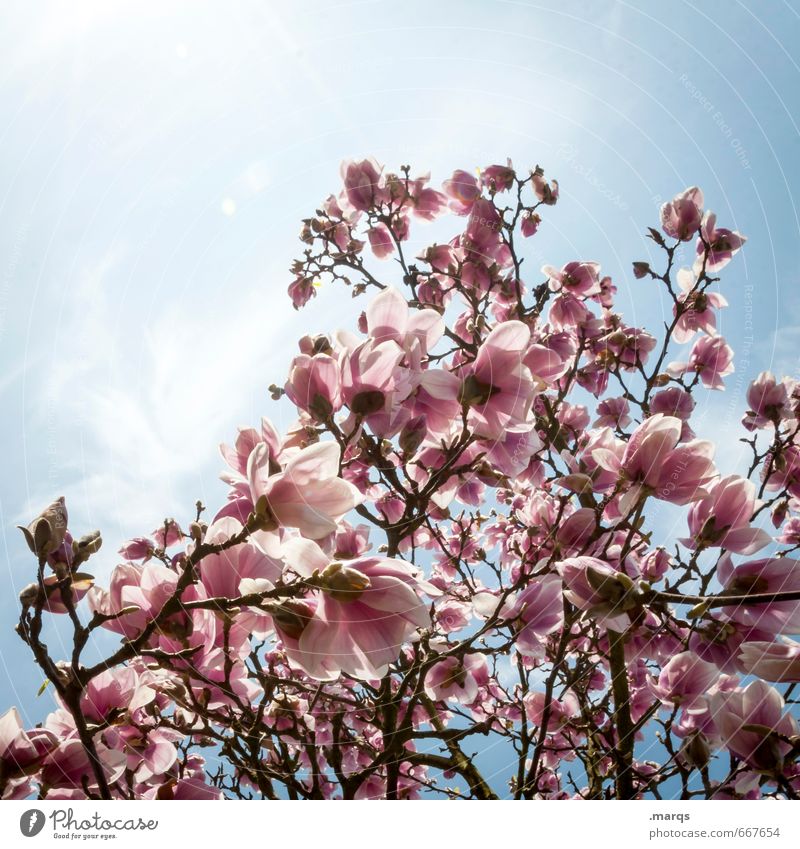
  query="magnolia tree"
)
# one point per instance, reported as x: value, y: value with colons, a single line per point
x: 448, y: 578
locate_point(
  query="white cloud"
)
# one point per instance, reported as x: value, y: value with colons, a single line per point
x: 143, y: 415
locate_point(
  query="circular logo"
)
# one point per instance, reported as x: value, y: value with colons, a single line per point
x: 31, y: 822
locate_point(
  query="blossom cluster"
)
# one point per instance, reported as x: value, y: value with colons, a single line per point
x: 455, y: 547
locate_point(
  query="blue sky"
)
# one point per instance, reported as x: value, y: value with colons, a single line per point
x: 157, y: 160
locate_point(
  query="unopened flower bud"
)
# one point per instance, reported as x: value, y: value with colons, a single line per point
x: 695, y: 750
x: 28, y: 595
x: 779, y: 513
x: 46, y: 532
x: 641, y: 269
x: 699, y: 610
x: 196, y: 531
x: 306, y: 233
x: 85, y: 547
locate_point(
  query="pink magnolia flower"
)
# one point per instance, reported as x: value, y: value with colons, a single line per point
x: 452, y: 616
x: 434, y: 402
x: 613, y: 412
x: 499, y: 178
x: 463, y: 190
x: 150, y: 752
x: 783, y: 470
x: 772, y: 661
x: 594, y: 586
x: 139, y: 548
x: 768, y: 400
x: 301, y: 290
x: 749, y: 721
x: 68, y: 766
x: 478, y: 275
x: 350, y: 541
x: 697, y: 309
x: 79, y: 585
x: 380, y: 240
x: 313, y: 385
x: 768, y: 575
x: 655, y: 462
x: 599, y: 477
x: 574, y: 532
x: 561, y: 711
x: 546, y: 192
x: 568, y: 312
x: 143, y: 590
x: 723, y: 244
x: 530, y: 223
x: 722, y: 518
x: 482, y: 234
x: 711, y: 358
x: 539, y: 612
x: 364, y: 611
x: 441, y: 258
x: 718, y: 640
x: 221, y: 574
x: 408, y: 785
x: 677, y: 402
x: 168, y: 534
x: 371, y: 374
x: 576, y: 278
x: 684, y: 679
x: 545, y: 363
x: 511, y: 454
x: 21, y: 752
x: 607, y: 292
x: 630, y: 346
x: 427, y: 202
x: 236, y: 456
x: 458, y: 679
x: 307, y: 494
x: 681, y: 217
x: 114, y: 691
x: 388, y: 317
x: 790, y: 533
x: 498, y: 387
x: 656, y: 564
x: 362, y: 183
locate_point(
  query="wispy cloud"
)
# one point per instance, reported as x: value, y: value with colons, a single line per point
x: 145, y: 417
